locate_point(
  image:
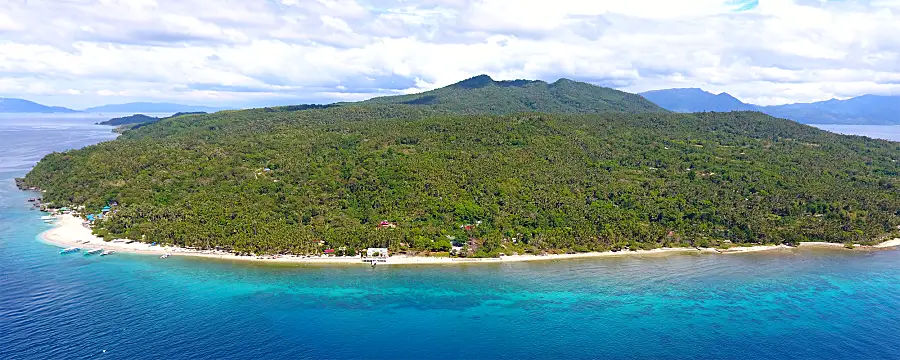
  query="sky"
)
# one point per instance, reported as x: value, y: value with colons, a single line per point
x: 245, y: 53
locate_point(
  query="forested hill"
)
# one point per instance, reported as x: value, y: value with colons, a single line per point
x: 131, y: 119
x: 483, y: 95
x: 143, y: 119
x: 268, y: 181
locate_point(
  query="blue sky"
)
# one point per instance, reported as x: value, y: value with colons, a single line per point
x: 81, y: 53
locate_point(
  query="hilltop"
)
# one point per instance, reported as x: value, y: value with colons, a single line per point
x: 484, y: 95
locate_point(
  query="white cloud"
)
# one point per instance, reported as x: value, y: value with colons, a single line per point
x: 258, y: 52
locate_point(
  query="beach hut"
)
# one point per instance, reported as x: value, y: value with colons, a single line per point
x: 377, y: 252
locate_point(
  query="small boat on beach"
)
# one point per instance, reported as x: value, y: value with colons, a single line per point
x: 165, y: 256
x: 93, y: 251
x: 70, y: 250
x: 46, y: 217
x: 107, y: 252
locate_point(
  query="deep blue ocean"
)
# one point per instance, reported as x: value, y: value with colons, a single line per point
x: 789, y: 305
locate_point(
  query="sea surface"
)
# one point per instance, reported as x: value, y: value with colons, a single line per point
x: 786, y: 305
x: 887, y: 132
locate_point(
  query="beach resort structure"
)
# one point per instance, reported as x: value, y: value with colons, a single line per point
x: 376, y: 255
x: 377, y: 252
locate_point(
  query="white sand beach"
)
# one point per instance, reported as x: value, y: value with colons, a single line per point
x: 68, y: 231
x: 889, y: 244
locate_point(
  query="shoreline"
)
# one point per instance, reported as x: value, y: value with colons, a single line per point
x: 67, y: 229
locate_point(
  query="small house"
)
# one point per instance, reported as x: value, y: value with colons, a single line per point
x: 106, y: 209
x: 377, y: 252
x: 387, y: 224
x: 456, y: 249
x: 329, y: 251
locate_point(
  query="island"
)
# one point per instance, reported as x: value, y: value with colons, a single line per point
x: 479, y: 169
x: 137, y: 120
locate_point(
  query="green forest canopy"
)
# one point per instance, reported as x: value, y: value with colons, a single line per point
x: 525, y: 182
x: 482, y: 95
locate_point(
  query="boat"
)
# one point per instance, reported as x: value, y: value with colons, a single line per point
x: 93, y: 251
x: 70, y: 250
x: 107, y: 252
x: 165, y: 256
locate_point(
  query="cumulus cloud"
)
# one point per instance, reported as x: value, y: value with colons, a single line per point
x: 81, y: 53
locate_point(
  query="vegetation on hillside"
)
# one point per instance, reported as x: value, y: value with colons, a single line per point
x: 131, y: 119
x: 123, y: 124
x: 272, y: 181
x: 483, y: 95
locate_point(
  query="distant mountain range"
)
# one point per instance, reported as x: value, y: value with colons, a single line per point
x: 150, y: 107
x: 862, y: 110
x: 12, y: 105
x: 696, y: 100
x: 8, y: 105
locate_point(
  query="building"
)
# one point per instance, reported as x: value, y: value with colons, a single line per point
x: 387, y: 224
x: 377, y: 252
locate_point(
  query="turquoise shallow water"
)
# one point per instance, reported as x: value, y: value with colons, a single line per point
x: 788, y: 305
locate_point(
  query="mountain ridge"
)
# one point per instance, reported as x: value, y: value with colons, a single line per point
x: 150, y: 107
x: 483, y: 95
x: 16, y: 105
x: 861, y: 110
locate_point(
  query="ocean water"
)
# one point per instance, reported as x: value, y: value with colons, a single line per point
x: 886, y: 132
x: 787, y: 305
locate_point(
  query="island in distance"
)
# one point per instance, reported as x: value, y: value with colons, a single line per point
x: 480, y: 168
x: 14, y: 105
x: 138, y: 120
x: 861, y: 110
